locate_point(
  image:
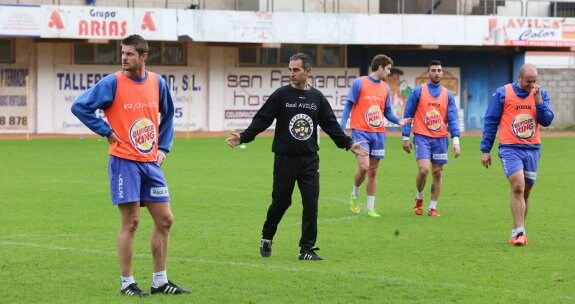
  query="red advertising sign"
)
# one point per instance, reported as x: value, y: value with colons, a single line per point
x: 522, y: 31
x: 108, y: 23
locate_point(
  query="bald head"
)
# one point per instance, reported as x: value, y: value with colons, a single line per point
x: 528, y: 69
x: 527, y: 76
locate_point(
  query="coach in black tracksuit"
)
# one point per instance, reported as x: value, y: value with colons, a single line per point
x: 298, y: 109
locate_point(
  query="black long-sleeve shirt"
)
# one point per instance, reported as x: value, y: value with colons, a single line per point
x: 297, y: 113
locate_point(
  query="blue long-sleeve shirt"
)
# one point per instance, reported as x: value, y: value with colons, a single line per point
x: 435, y: 91
x: 495, y: 110
x: 101, y: 96
x: 354, y: 95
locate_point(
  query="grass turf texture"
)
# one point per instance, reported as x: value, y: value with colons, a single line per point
x: 58, y: 229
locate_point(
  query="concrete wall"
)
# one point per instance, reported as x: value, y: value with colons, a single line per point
x: 560, y: 84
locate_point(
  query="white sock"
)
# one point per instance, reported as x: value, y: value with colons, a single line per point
x: 432, y: 204
x: 159, y: 278
x: 126, y: 281
x: 355, y: 191
x: 370, y: 202
x: 419, y: 195
x: 516, y: 231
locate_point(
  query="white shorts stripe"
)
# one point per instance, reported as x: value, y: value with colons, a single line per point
x: 530, y: 175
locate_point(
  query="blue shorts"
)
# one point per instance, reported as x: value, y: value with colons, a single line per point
x: 515, y: 159
x: 434, y: 149
x: 374, y: 142
x: 132, y: 181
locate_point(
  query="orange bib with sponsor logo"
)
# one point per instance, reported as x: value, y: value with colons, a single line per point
x: 431, y: 114
x: 518, y: 123
x: 367, y: 113
x: 134, y: 117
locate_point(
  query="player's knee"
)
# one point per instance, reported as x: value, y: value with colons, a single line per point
x: 437, y: 174
x: 165, y: 221
x: 168, y: 220
x: 363, y: 167
x: 518, y: 188
x: 280, y: 204
x: 423, y: 171
x: 372, y: 172
x: 131, y: 224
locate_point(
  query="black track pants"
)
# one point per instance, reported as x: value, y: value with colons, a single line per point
x: 287, y: 170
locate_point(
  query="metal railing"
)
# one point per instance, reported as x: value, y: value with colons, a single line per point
x: 455, y: 7
x: 539, y: 8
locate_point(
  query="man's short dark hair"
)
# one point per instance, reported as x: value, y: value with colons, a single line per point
x: 434, y: 62
x: 395, y: 71
x: 380, y: 60
x: 138, y: 42
x: 305, y: 59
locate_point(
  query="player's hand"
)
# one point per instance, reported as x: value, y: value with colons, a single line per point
x: 160, y: 158
x: 407, y: 146
x: 486, y: 160
x: 233, y: 140
x: 358, y: 149
x: 404, y: 121
x: 456, y: 151
x: 114, y: 138
x: 537, y: 94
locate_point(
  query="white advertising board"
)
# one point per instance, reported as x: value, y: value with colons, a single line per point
x: 185, y: 86
x: 89, y: 22
x: 20, y: 21
x: 524, y: 31
x: 246, y: 90
x: 13, y: 103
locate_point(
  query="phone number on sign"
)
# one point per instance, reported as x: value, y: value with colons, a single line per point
x: 13, y: 120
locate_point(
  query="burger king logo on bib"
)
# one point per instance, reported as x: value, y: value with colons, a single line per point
x: 143, y: 135
x: 523, y: 126
x: 373, y: 117
x: 433, y: 120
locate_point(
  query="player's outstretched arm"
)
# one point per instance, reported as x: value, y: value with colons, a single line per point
x: 404, y: 121
x: 233, y: 140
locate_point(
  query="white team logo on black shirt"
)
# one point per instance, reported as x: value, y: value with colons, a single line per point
x: 301, y: 126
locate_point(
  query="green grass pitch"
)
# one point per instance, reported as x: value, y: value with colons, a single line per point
x: 58, y: 229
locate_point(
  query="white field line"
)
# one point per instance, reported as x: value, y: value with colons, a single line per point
x: 97, y: 182
x: 345, y: 274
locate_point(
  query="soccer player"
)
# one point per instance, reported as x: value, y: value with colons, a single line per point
x: 433, y: 110
x: 517, y: 109
x: 139, y: 141
x: 368, y: 101
x: 298, y: 109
